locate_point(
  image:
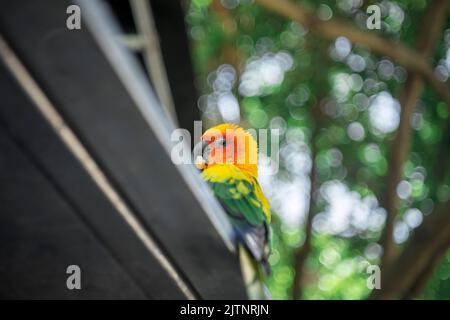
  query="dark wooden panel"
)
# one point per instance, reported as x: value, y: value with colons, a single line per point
x: 41, y: 235
x: 75, y: 188
x: 77, y: 78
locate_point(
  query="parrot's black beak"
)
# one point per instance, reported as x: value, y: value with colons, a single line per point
x: 198, y: 153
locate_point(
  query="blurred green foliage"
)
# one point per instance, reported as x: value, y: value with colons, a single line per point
x: 278, y: 75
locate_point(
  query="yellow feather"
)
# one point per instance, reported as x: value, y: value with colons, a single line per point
x: 229, y: 172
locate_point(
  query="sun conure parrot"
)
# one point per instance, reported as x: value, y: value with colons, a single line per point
x: 229, y: 162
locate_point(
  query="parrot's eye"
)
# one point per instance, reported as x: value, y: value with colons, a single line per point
x: 224, y: 142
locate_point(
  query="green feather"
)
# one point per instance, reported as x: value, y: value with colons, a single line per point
x: 239, y: 197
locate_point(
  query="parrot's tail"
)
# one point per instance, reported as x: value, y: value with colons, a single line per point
x: 254, y: 274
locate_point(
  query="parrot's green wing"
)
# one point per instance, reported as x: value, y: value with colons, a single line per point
x: 243, y: 200
x: 239, y: 193
x: 239, y: 198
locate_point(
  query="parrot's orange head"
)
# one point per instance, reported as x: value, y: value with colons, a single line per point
x: 227, y: 144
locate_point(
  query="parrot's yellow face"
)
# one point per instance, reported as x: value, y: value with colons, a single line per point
x: 227, y: 144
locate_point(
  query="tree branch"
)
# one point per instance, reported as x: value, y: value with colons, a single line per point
x: 333, y: 28
x: 417, y: 261
x: 229, y: 52
x: 421, y: 281
x: 302, y: 253
x: 434, y: 20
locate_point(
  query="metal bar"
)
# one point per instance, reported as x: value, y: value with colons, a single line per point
x: 142, y: 14
x: 134, y: 42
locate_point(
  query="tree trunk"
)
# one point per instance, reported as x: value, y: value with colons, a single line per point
x: 428, y: 38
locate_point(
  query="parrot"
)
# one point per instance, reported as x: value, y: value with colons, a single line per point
x: 227, y: 156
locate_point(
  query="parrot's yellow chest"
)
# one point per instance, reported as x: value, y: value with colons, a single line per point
x: 224, y: 172
x: 221, y: 173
